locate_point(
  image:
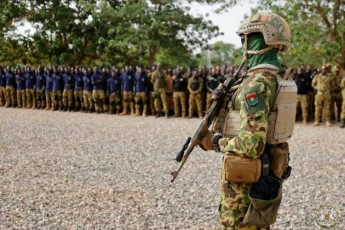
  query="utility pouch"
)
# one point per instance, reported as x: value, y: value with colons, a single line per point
x: 279, y: 159
x: 241, y: 169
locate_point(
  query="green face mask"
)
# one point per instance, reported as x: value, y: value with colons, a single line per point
x: 257, y: 42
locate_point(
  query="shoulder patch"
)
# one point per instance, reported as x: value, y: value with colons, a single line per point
x: 252, y: 98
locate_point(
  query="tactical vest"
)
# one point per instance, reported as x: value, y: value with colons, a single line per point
x: 179, y: 84
x: 281, y: 118
x: 195, y: 84
x: 213, y: 82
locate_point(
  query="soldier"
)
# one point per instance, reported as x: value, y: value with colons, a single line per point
x: 30, y: 87
x: 244, y: 134
x: 49, y: 88
x: 151, y: 91
x: 169, y: 90
x: 10, y: 88
x: 141, y: 83
x: 336, y: 95
x: 2, y: 87
x: 114, y: 91
x: 127, y: 81
x: 20, y: 80
x: 57, y: 89
x: 213, y: 81
x: 159, y: 81
x: 67, y: 95
x: 106, y: 76
x: 40, y: 88
x: 311, y: 93
x: 179, y: 95
x: 87, y: 93
x: 342, y: 86
x: 98, y: 93
x: 78, y: 90
x: 303, y: 83
x: 195, y: 84
x: 323, y: 83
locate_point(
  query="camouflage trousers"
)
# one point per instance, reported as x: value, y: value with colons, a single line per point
x: 67, y: 98
x: 88, y: 101
x: 195, y: 99
x: 57, y: 99
x: 208, y: 101
x: 303, y: 101
x: 140, y: 98
x: 322, y: 101
x: 41, y: 102
x: 127, y: 97
x: 115, y: 101
x: 21, y: 98
x: 152, y: 102
x: 179, y: 102
x: 2, y: 96
x: 342, y: 116
x: 78, y: 98
x: 337, y: 100
x: 31, y: 98
x: 10, y: 96
x: 49, y: 98
x: 234, y: 203
x: 99, y: 100
x: 161, y: 98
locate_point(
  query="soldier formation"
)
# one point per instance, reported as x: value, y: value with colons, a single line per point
x: 138, y: 91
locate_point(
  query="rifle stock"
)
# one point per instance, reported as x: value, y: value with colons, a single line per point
x: 218, y: 96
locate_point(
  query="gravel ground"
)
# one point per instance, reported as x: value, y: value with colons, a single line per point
x: 86, y: 171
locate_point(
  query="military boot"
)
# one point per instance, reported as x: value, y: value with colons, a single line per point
x: 342, y: 123
x: 124, y: 112
x: 316, y: 123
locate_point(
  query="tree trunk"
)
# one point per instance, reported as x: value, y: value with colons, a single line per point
x: 152, y: 55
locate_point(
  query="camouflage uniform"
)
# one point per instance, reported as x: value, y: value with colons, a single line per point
x: 159, y: 79
x: 195, y: 85
x: 323, y: 84
x: 336, y: 97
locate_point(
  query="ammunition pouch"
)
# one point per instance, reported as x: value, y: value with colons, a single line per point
x: 279, y: 160
x: 265, y: 197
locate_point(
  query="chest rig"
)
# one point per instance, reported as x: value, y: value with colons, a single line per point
x: 281, y: 118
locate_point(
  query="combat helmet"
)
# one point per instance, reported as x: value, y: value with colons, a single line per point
x: 275, y: 30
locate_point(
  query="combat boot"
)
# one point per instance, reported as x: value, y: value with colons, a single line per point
x: 316, y: 123
x: 124, y: 112
x: 342, y: 123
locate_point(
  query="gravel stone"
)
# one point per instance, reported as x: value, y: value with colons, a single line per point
x: 96, y: 171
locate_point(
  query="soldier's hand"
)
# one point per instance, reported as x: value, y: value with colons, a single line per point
x: 206, y: 142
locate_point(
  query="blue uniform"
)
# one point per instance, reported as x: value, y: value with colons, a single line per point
x: 97, y: 81
x: 10, y: 80
x: 30, y: 81
x: 127, y: 81
x: 141, y: 81
x: 20, y: 82
x: 114, y: 85
x: 57, y: 82
x: 40, y: 81
x: 69, y: 81
x: 2, y: 80
x: 78, y: 82
x: 87, y: 83
x: 49, y: 83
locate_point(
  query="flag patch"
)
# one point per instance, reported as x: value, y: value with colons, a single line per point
x: 252, y: 98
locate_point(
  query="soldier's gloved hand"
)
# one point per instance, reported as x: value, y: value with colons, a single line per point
x: 206, y: 142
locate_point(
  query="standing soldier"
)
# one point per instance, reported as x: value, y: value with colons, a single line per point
x: 2, y: 88
x: 10, y: 88
x: 323, y: 83
x: 67, y: 95
x: 30, y: 89
x: 195, y: 85
x: 78, y: 90
x: 336, y: 95
x: 127, y: 80
x: 98, y: 93
x: 114, y: 91
x: 57, y: 89
x: 40, y: 88
x: 20, y: 79
x: 106, y: 76
x: 49, y: 88
x: 303, y: 83
x: 141, y: 83
x: 87, y: 93
x: 151, y: 91
x: 169, y: 90
x: 213, y: 81
x: 342, y: 86
x: 159, y: 81
x: 179, y: 95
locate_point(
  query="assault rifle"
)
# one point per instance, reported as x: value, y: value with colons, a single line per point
x: 221, y: 93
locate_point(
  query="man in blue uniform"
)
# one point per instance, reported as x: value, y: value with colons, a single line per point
x: 127, y: 80
x: 78, y: 90
x: 87, y: 93
x: 98, y: 93
x: 67, y: 96
x: 30, y: 89
x: 141, y: 84
x: 20, y: 80
x: 49, y: 88
x: 10, y: 88
x: 40, y: 88
x: 2, y: 88
x: 57, y: 89
x: 114, y: 91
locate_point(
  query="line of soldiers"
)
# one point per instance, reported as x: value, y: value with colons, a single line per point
x: 319, y: 90
x: 135, y: 91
